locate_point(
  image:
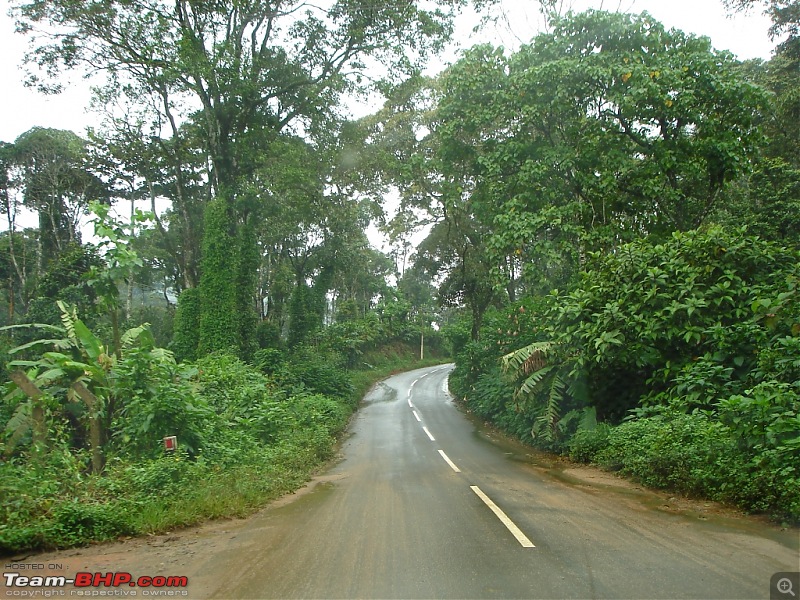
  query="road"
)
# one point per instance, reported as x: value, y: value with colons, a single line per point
x: 405, y: 515
x: 427, y: 503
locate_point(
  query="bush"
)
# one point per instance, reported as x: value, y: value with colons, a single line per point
x: 586, y: 444
x: 76, y: 521
x: 243, y: 398
x: 318, y: 373
x: 697, y: 455
x: 645, y: 313
x: 156, y: 401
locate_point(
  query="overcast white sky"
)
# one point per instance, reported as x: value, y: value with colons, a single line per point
x: 745, y: 35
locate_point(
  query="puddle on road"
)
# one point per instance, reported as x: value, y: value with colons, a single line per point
x: 380, y: 393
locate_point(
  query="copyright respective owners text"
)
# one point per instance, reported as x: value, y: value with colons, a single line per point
x: 784, y: 586
x: 41, y: 580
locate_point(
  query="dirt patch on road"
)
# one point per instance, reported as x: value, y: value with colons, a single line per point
x: 593, y: 479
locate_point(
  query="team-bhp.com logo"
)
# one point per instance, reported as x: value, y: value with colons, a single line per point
x: 88, y: 584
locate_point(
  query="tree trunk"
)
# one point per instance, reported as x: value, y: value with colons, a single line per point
x: 95, y: 425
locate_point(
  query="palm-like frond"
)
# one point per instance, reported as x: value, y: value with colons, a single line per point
x: 59, y: 344
x: 530, y: 359
x: 45, y: 326
x: 68, y: 319
x: 553, y: 412
x: 533, y: 383
x: 139, y: 334
x: 20, y: 423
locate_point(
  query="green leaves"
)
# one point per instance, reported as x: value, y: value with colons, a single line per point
x: 607, y: 128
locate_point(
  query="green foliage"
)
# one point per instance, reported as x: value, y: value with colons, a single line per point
x: 353, y: 337
x: 697, y: 335
x: 268, y: 360
x: 219, y: 325
x: 156, y: 400
x: 161, y: 320
x: 240, y: 394
x: 268, y: 334
x: 187, y: 324
x: 765, y: 420
x: 316, y: 372
x: 647, y: 312
x: 585, y: 444
x: 246, y: 275
x: 303, y: 319
x: 66, y: 279
x: 699, y: 455
x: 242, y: 440
x: 768, y: 202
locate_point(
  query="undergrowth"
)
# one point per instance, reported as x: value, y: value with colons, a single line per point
x: 263, y: 437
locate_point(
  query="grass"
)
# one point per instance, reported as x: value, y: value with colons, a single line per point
x: 67, y: 508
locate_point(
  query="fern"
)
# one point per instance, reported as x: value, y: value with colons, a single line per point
x: 68, y: 319
x: 18, y: 425
x: 535, y: 364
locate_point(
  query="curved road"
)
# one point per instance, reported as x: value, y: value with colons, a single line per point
x: 406, y: 514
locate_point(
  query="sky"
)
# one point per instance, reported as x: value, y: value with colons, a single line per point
x: 744, y: 35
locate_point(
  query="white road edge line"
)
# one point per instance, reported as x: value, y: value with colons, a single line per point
x: 430, y: 435
x: 416, y: 416
x: 515, y: 531
x: 449, y: 462
x: 409, y: 403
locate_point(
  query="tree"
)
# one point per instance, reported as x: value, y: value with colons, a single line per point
x: 767, y: 200
x: 129, y: 153
x: 247, y: 70
x: 56, y: 184
x: 14, y: 267
x: 605, y: 129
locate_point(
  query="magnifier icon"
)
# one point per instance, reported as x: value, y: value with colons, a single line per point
x: 785, y: 586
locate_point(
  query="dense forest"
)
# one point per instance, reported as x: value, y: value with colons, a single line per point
x: 611, y: 252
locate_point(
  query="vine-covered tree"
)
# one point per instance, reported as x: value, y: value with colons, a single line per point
x: 241, y: 71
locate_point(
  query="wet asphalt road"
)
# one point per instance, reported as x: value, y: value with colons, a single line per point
x: 394, y: 519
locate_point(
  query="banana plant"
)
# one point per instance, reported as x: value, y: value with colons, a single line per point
x: 77, y: 365
x: 534, y: 364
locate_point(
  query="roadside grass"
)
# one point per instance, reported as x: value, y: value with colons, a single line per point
x: 61, y: 506
x: 234, y: 493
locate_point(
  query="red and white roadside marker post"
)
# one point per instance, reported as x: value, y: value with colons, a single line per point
x: 170, y: 443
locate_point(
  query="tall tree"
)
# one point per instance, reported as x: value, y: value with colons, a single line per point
x: 245, y: 70
x: 57, y: 185
x: 605, y: 128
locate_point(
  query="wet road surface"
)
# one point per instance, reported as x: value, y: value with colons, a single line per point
x: 426, y: 503
x: 423, y: 505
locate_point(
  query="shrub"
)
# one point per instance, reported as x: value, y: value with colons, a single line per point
x: 156, y: 401
x: 586, y: 444
x: 643, y: 314
x: 696, y: 454
x: 318, y: 373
